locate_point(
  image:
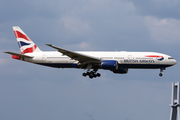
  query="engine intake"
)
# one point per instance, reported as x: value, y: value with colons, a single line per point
x: 109, y: 64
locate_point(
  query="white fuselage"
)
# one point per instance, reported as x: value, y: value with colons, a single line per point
x: 124, y: 59
x: 117, y: 62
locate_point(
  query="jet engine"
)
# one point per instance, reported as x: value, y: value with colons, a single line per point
x: 109, y: 64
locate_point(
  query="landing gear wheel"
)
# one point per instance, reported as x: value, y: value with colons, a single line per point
x: 84, y: 74
x: 160, y: 74
x: 98, y: 75
x: 91, y: 76
x: 87, y: 73
x: 94, y: 75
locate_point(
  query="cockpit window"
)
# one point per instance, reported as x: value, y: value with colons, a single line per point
x: 170, y: 58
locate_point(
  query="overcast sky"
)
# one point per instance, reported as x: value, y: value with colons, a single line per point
x: 33, y: 92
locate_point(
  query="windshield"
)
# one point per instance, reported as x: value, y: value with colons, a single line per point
x: 170, y: 58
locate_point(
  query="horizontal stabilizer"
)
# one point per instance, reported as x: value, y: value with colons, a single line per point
x: 17, y: 54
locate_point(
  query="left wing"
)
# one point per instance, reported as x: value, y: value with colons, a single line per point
x: 84, y: 59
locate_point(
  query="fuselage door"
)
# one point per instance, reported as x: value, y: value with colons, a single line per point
x: 130, y: 58
x: 44, y: 58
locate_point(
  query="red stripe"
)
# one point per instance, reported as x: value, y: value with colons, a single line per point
x: 29, y: 50
x: 20, y: 35
x: 153, y: 56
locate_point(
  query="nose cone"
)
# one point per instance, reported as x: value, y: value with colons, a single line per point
x: 174, y: 62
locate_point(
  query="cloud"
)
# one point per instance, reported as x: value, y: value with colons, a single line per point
x: 75, y: 25
x: 80, y: 46
x: 91, y: 117
x: 159, y: 8
x: 164, y: 30
x: 2, y: 61
x: 4, y: 40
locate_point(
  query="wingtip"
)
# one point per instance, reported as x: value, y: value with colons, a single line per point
x: 48, y: 44
x: 5, y: 52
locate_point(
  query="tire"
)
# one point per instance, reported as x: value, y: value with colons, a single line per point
x: 84, y: 74
x: 98, y: 75
x: 160, y: 74
x: 91, y: 76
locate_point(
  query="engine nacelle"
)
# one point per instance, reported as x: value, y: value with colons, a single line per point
x: 121, y: 71
x: 109, y: 64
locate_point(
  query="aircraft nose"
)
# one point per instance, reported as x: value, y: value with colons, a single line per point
x: 174, y: 62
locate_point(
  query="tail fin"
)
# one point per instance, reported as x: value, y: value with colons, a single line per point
x: 26, y: 45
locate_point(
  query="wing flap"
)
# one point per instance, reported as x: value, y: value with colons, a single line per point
x: 76, y: 56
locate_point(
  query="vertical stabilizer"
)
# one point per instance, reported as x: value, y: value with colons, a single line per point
x: 26, y: 45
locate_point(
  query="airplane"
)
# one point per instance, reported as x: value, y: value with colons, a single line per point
x: 118, y: 62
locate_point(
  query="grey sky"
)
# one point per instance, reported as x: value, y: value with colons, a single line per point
x: 36, y: 92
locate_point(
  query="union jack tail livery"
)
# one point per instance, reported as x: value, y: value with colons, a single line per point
x: 26, y: 45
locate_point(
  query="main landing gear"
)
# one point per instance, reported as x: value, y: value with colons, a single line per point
x: 161, y: 70
x: 91, y: 74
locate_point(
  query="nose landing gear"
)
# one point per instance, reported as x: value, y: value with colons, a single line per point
x: 161, y: 70
x: 160, y: 74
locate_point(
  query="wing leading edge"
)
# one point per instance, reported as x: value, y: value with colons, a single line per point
x: 83, y: 59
